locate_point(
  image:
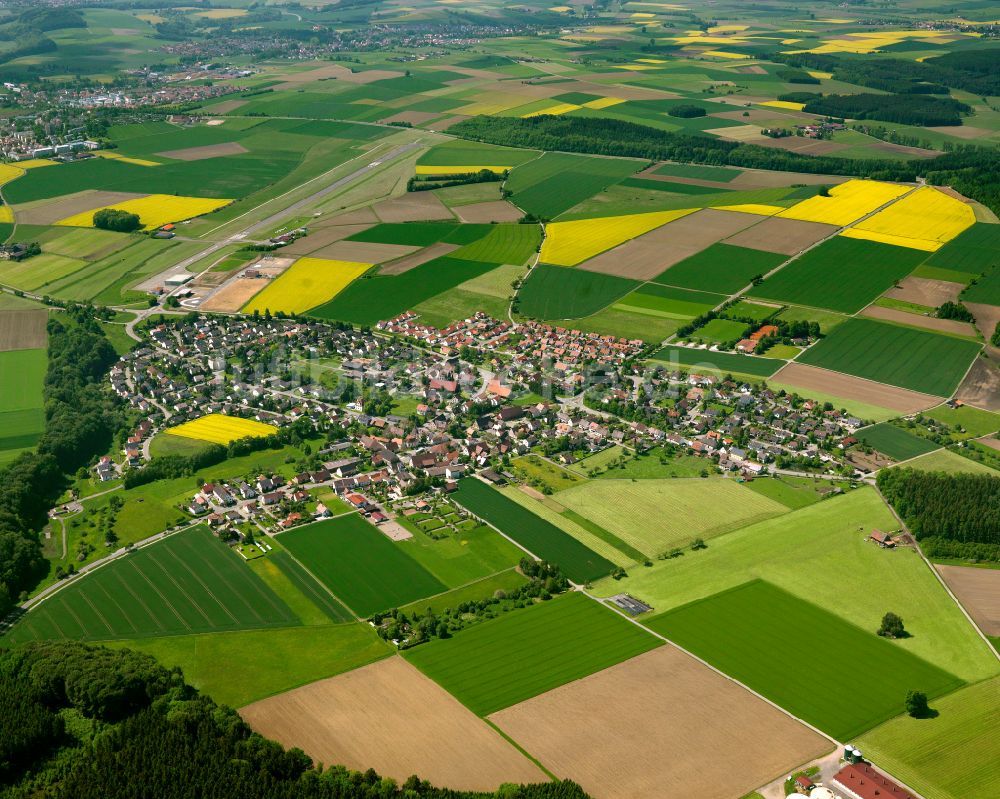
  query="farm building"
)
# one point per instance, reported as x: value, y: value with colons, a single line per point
x: 861, y: 781
x: 884, y: 540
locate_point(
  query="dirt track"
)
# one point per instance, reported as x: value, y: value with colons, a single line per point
x: 811, y: 378
x: 979, y: 591
x: 661, y: 724
x: 390, y: 717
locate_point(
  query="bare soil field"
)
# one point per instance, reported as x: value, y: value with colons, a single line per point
x: 420, y: 206
x: 749, y: 133
x: 234, y: 295
x: 802, y: 145
x: 784, y: 236
x: 764, y: 179
x: 359, y: 216
x: 927, y: 322
x: 395, y: 531
x: 754, y: 70
x: 51, y: 212
x: 963, y: 131
x: 992, y: 443
x: 390, y: 717
x: 323, y: 237
x: 987, y: 317
x: 495, y: 211
x: 411, y: 261
x: 902, y: 149
x: 648, y: 255
x: 613, y: 732
x: 364, y: 252
x: 206, y: 151
x: 23, y: 330
x: 812, y: 378
x: 981, y: 386
x: 925, y: 292
x: 979, y: 591
x: 447, y: 122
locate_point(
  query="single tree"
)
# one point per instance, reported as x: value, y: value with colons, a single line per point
x: 916, y: 704
x: 892, y: 626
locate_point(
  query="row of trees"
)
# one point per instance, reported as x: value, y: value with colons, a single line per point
x: 956, y: 507
x: 87, y: 722
x: 80, y: 421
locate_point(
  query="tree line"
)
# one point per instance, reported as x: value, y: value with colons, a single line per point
x: 86, y: 722
x: 952, y: 507
x: 80, y: 421
x: 971, y: 170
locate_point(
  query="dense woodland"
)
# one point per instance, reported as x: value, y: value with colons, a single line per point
x: 86, y: 722
x: 904, y: 109
x: 80, y: 420
x: 973, y: 171
x: 964, y: 508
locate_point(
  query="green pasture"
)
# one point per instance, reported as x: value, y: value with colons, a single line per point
x: 719, y: 174
x: 974, y: 251
x: 721, y: 268
x: 303, y: 593
x: 841, y: 274
x: 359, y: 565
x: 653, y: 299
x: 944, y: 460
x: 692, y: 359
x: 792, y: 492
x: 895, y: 442
x: 555, y: 292
x: 719, y: 331
x: 238, y: 668
x: 965, y: 420
x: 480, y: 589
x: 556, y: 182
x: 527, y: 652
x: 893, y: 354
x: 826, y: 539
x: 746, y: 632
x: 414, y: 234
x: 188, y: 583
x: 986, y: 289
x: 578, y: 562
x: 624, y: 322
x: 505, y: 244
x: 546, y: 472
x: 490, y: 293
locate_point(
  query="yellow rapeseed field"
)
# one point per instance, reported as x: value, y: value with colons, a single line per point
x: 221, y: 429
x: 605, y: 102
x: 35, y: 163
x: 923, y: 220
x: 305, y: 284
x: 726, y: 54
x: 571, y: 243
x: 555, y: 110
x: 458, y: 170
x: 6, y: 215
x: 784, y: 104
x: 110, y: 154
x: 154, y: 211
x: 8, y: 172
x: 752, y: 208
x: 847, y: 202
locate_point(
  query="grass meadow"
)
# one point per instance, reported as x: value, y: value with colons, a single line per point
x: 557, y: 292
x: 22, y: 417
x: 578, y: 562
x: 720, y: 267
x: 895, y: 442
x: 359, y: 565
x: 188, y: 583
x: 556, y: 182
x: 900, y: 356
x: 721, y: 362
x: 854, y: 682
x: 527, y: 652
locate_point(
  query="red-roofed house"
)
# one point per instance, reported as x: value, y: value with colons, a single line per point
x: 861, y: 781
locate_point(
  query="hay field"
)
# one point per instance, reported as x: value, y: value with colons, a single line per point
x: 655, y: 515
x: 847, y: 202
x: 390, y: 717
x: 979, y: 591
x: 221, y: 429
x: 923, y: 220
x: 23, y: 330
x: 307, y: 283
x: 571, y: 243
x: 154, y: 211
x: 602, y: 731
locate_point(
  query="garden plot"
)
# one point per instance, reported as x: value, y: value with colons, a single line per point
x: 647, y: 256
x: 656, y: 515
x: 599, y: 731
x: 390, y: 717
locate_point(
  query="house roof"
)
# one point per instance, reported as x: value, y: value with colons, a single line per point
x: 864, y: 781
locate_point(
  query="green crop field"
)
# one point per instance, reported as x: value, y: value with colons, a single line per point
x: 717, y: 173
x: 745, y: 309
x: 653, y: 299
x: 22, y: 417
x: 895, y: 442
x: 747, y: 632
x: 578, y: 562
x: 188, y: 583
x: 899, y: 356
x: 718, y: 331
x: 955, y: 755
x: 505, y: 244
x: 557, y: 181
x: 656, y: 515
x: 370, y: 299
x: 841, y: 274
x: 416, y: 234
x: 722, y: 362
x: 826, y: 538
x: 721, y: 267
x: 304, y: 584
x: 241, y: 667
x: 792, y: 492
x: 972, y: 251
x: 555, y: 292
x: 361, y: 566
x: 527, y: 652
x: 986, y: 289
